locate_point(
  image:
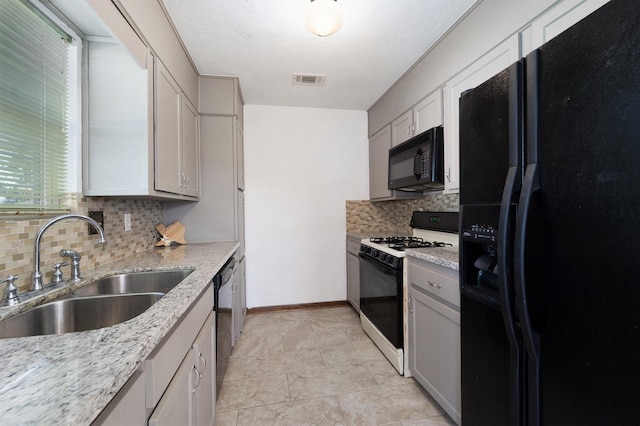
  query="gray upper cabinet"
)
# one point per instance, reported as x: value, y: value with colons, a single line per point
x: 221, y: 96
x: 556, y: 20
x: 428, y: 113
x: 190, y: 158
x: 219, y: 216
x: 402, y: 128
x: 142, y: 137
x: 379, y: 145
x: 484, y: 68
x: 167, y: 126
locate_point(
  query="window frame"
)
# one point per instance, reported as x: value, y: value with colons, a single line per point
x: 75, y: 76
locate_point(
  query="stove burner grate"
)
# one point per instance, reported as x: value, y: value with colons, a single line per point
x: 402, y: 243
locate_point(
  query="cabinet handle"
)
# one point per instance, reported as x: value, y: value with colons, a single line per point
x: 198, y: 383
x: 410, y: 304
x: 204, y: 361
x: 434, y: 285
x: 449, y: 174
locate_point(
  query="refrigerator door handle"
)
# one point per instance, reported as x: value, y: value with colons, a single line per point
x: 505, y: 286
x: 530, y: 337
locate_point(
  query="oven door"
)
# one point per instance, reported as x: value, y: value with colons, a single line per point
x: 381, y: 298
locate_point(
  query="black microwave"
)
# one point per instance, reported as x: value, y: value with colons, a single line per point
x: 418, y: 164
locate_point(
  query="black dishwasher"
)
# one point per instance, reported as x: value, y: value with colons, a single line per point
x: 223, y: 297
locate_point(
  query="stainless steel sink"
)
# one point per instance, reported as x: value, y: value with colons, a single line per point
x: 134, y: 282
x: 77, y: 314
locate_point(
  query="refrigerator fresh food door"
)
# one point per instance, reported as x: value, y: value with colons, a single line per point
x: 578, y: 233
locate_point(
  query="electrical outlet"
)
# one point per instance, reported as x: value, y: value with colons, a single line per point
x: 127, y: 222
x: 98, y: 216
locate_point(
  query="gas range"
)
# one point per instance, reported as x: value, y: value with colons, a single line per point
x: 430, y: 229
x: 382, y: 288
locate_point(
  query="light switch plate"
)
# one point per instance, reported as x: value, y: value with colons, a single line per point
x: 98, y: 216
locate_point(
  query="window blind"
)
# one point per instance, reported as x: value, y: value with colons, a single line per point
x: 34, y: 111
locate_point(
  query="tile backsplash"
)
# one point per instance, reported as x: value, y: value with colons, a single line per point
x: 17, y: 238
x: 393, y: 217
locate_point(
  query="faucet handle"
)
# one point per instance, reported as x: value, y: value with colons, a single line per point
x: 10, y: 297
x: 57, y: 275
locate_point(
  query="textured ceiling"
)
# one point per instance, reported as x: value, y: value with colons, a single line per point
x: 263, y: 42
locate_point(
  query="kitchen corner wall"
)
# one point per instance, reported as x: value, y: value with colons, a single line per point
x: 17, y: 238
x: 393, y: 217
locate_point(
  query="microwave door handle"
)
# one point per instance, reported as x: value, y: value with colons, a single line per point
x: 417, y: 164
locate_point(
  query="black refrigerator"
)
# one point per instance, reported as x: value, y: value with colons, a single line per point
x: 550, y: 232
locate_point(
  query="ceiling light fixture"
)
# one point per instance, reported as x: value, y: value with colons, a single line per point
x: 323, y: 17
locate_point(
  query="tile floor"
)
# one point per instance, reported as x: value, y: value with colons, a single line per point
x: 317, y: 366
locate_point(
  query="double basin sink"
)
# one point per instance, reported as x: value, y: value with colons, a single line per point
x: 101, y: 303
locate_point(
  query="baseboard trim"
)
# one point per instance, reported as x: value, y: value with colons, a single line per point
x: 318, y: 305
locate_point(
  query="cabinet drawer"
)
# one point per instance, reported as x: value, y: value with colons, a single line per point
x: 165, y: 359
x: 436, y: 280
x: 353, y: 246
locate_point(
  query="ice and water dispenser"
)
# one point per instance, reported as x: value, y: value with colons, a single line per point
x: 480, y: 268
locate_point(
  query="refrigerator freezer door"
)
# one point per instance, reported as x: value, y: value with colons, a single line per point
x: 583, y: 234
x: 491, y: 147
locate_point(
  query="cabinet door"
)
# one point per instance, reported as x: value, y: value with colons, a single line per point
x: 205, y: 390
x: 176, y: 405
x: 564, y: 15
x: 428, y: 113
x: 240, y: 154
x: 434, y: 350
x: 402, y: 128
x: 190, y: 173
x: 379, y: 146
x: 353, y: 280
x: 235, y: 308
x: 168, y: 149
x: 240, y: 223
x: 243, y: 291
x: 484, y: 68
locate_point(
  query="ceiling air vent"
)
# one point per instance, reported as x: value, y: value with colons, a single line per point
x: 309, y: 79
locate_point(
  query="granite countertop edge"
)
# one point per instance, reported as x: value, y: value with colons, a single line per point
x: 444, y: 256
x: 70, y: 378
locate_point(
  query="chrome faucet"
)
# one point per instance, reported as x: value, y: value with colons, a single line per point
x: 37, y: 275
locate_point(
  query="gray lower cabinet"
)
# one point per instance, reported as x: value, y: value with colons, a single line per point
x: 177, y: 384
x: 353, y: 272
x: 434, y: 332
x: 189, y: 398
x: 239, y: 302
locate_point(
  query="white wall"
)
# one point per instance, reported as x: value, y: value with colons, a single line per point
x: 301, y: 165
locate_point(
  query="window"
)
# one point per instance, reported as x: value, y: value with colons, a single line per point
x: 38, y: 113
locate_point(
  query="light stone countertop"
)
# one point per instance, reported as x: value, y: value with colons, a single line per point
x: 70, y: 378
x: 443, y: 256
